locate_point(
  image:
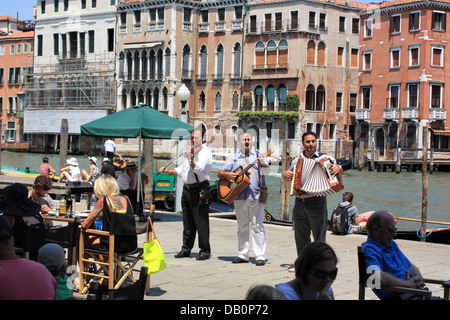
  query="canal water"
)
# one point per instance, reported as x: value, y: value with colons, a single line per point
x: 400, y: 194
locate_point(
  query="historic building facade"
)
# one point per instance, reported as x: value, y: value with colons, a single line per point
x: 403, y: 74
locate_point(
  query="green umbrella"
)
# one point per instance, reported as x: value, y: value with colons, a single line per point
x: 139, y: 121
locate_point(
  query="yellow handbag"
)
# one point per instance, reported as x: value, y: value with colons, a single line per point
x: 154, y: 258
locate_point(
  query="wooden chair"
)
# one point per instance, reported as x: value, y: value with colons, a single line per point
x: 133, y: 291
x: 110, y: 264
x: 422, y: 293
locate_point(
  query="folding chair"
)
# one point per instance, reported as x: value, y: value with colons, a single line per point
x: 66, y: 237
x: 133, y: 291
x: 422, y: 293
x: 109, y: 262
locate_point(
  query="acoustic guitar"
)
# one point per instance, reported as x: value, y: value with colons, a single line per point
x: 228, y: 191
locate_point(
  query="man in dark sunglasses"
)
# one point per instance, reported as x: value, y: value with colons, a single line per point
x: 39, y: 193
x: 382, y: 253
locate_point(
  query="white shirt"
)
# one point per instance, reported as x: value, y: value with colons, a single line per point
x: 110, y: 146
x: 203, y: 160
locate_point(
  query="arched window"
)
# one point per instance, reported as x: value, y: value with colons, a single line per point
x: 144, y: 65
x: 156, y: 98
x: 237, y: 60
x: 271, y: 53
x: 321, y: 54
x: 185, y: 63
x: 219, y: 66
x: 202, y: 101
x: 218, y: 102
x: 235, y: 101
x: 121, y: 65
x: 282, y: 93
x: 165, y: 98
x: 141, y: 96
x: 129, y: 66
x: 124, y: 99
x: 203, y: 62
x: 136, y: 65
x: 133, y: 97
x: 311, y: 52
x: 320, y: 101
x: 283, y: 53
x: 260, y: 53
x: 310, y: 97
x: 167, y: 57
x: 159, y: 64
x: 148, y: 96
x: 270, y: 96
x: 259, y: 95
x: 152, y: 64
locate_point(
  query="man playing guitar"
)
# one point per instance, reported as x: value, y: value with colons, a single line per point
x: 248, y: 209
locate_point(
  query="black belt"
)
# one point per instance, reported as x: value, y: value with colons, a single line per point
x: 196, y: 185
x: 309, y: 199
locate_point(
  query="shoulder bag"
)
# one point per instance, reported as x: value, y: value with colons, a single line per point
x: 154, y: 258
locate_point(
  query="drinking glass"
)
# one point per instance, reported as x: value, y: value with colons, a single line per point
x: 84, y: 201
x: 73, y: 198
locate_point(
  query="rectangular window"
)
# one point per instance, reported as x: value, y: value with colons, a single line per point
x: 366, y: 96
x: 278, y: 21
x: 268, y: 22
x: 354, y: 58
x: 12, y: 49
x: 83, y: 4
x: 341, y: 24
x: 56, y: 5
x: 437, y: 56
x: 312, y: 19
x: 323, y: 21
x: 395, y: 58
x: 353, y: 101
x: 238, y: 13
x: 413, y: 94
x: 368, y: 24
x: 395, y: 24
x: 221, y: 14
x: 294, y: 20
x: 39, y: 45
x: 94, y: 3
x: 414, y: 56
x: 355, y: 25
x: 110, y: 40
x: 291, y: 130
x: 82, y: 44
x: 414, y: 21
x: 438, y: 22
x: 435, y: 96
x: 66, y: 5
x: 187, y: 13
x: 55, y: 44
x: 340, y: 56
x: 367, y: 56
x: 394, y: 91
x: 338, y: 101
x: 253, y: 25
x: 1, y: 77
x: 91, y: 41
x: 42, y: 7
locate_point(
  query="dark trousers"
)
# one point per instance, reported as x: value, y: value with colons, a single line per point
x: 309, y: 215
x: 195, y: 219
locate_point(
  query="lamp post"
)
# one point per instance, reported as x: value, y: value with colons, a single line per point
x: 183, y: 95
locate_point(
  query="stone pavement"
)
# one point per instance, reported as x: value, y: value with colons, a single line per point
x: 219, y: 279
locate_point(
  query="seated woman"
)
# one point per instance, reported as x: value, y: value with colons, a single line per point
x: 71, y: 172
x: 111, y: 204
x: 94, y: 171
x: 315, y: 271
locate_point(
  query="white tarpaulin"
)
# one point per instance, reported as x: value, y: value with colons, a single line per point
x: 49, y: 121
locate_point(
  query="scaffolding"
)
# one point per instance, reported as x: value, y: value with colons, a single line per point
x: 72, y: 83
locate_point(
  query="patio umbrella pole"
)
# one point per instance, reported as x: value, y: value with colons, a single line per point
x: 139, y: 171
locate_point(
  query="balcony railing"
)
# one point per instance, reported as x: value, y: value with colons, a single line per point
x: 438, y: 114
x: 237, y: 25
x: 271, y: 66
x: 203, y: 27
x: 410, y: 113
x: 363, y: 114
x: 219, y: 26
x: 391, y: 114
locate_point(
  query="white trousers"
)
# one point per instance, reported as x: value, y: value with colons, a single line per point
x: 250, y: 214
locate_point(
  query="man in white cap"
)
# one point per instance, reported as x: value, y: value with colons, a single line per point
x: 71, y: 172
x: 108, y: 168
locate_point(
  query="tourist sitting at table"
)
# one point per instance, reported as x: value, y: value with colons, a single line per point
x: 109, y: 203
x: 315, y: 271
x: 128, y: 182
x: 70, y: 172
x: 52, y: 256
x: 39, y: 193
x: 21, y: 279
x: 18, y: 209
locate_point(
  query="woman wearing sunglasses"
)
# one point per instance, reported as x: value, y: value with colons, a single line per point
x: 315, y: 271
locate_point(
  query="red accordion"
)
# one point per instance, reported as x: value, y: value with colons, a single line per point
x: 313, y: 177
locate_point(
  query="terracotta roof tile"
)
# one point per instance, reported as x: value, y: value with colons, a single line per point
x: 27, y: 34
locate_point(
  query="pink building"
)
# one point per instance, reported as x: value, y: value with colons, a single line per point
x: 403, y: 56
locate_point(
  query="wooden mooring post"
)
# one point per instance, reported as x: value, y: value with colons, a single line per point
x: 423, y: 225
x: 63, y: 142
x: 285, y: 163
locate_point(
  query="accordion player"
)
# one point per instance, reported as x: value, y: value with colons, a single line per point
x: 313, y: 177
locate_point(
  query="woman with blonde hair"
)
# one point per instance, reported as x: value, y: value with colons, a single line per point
x: 118, y: 217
